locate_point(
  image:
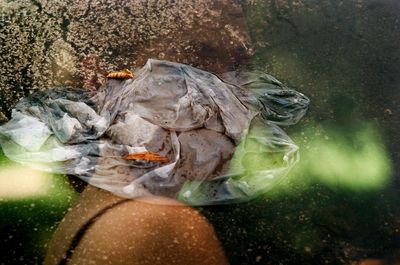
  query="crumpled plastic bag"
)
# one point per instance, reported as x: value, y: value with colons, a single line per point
x: 220, y: 136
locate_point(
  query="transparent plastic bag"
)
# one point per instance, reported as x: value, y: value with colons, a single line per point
x: 219, y: 140
x: 275, y: 102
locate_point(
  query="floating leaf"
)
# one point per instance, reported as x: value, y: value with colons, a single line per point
x: 123, y: 74
x: 147, y: 156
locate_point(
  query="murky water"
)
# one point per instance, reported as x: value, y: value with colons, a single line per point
x: 339, y: 205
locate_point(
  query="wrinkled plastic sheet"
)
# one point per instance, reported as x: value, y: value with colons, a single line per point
x: 220, y: 134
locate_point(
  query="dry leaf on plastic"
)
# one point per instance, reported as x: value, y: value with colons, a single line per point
x: 147, y: 156
x: 123, y: 74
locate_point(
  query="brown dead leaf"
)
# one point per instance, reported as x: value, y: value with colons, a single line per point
x: 147, y: 156
x: 123, y: 74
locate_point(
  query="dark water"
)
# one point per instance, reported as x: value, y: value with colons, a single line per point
x: 339, y: 205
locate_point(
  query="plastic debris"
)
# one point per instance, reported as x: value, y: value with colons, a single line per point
x: 173, y: 131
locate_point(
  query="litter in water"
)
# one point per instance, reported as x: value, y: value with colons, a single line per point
x: 173, y: 131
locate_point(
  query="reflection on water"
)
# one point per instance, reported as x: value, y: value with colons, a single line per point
x: 18, y: 182
x: 360, y: 163
x: 339, y: 205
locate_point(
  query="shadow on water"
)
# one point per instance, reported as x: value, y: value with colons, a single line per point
x: 313, y: 226
x: 336, y: 206
x: 341, y: 203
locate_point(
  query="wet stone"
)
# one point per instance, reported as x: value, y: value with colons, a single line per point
x: 46, y: 45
